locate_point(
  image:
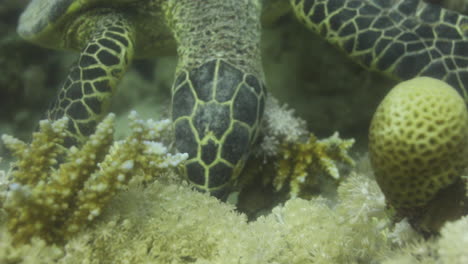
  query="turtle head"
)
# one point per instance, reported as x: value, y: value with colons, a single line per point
x: 216, y: 108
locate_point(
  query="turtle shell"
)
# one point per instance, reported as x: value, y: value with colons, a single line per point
x: 44, y: 22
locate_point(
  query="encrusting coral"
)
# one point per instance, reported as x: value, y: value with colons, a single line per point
x: 55, y: 203
x: 418, y: 145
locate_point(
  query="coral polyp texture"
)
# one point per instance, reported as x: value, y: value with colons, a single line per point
x: 53, y: 202
x: 418, y: 141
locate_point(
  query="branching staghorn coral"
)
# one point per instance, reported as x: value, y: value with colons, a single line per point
x: 297, y: 161
x: 296, y: 154
x: 54, y: 203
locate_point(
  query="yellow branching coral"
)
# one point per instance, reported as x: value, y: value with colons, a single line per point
x: 289, y: 155
x: 55, y: 202
x: 296, y: 161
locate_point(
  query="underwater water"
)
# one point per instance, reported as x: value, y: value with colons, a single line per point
x: 288, y: 209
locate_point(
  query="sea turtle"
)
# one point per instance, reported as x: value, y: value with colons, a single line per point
x: 219, y: 89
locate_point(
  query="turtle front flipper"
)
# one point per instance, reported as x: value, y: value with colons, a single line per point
x: 85, y: 95
x: 402, y: 38
x: 218, y: 93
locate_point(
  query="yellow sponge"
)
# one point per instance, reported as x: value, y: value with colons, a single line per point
x: 418, y: 141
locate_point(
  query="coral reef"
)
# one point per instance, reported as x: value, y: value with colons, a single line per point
x: 418, y: 144
x: 167, y: 222
x: 54, y: 203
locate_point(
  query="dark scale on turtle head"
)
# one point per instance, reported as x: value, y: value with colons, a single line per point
x: 179, y: 80
x: 185, y: 138
x: 253, y: 82
x: 236, y: 144
x: 245, y: 105
x: 183, y: 101
x: 211, y: 119
x: 229, y: 78
x: 221, y: 175
x: 196, y: 173
x: 202, y: 80
x: 209, y: 152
